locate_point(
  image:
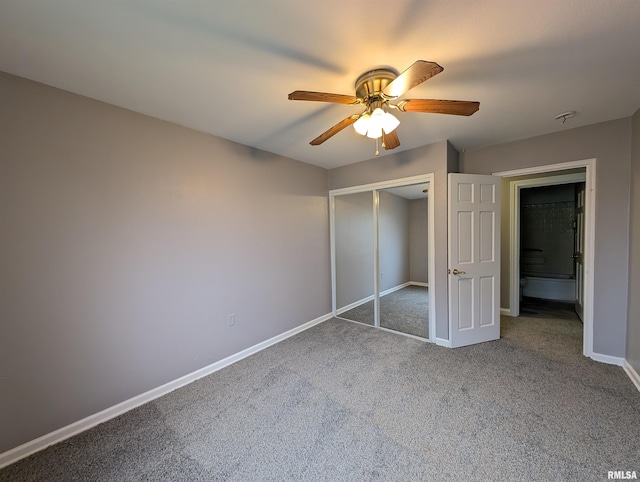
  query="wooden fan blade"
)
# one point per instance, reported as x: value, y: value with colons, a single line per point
x: 334, y: 130
x: 390, y: 141
x: 455, y: 107
x: 323, y: 97
x: 420, y: 71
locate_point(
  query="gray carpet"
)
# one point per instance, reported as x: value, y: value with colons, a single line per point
x: 405, y: 310
x: 345, y: 402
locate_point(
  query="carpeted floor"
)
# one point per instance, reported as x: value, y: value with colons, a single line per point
x: 345, y: 402
x: 405, y: 310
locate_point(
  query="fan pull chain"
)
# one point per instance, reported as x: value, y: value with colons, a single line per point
x: 377, y: 151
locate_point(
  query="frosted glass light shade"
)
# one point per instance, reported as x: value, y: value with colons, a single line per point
x: 362, y: 124
x: 373, y: 125
x: 375, y: 131
x: 389, y: 123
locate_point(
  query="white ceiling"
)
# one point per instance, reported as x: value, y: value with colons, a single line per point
x: 226, y: 67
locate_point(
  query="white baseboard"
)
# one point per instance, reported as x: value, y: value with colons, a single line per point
x: 353, y: 305
x: 75, y: 428
x: 633, y: 374
x: 505, y: 311
x: 443, y: 342
x: 395, y: 288
x: 611, y: 360
x: 419, y: 283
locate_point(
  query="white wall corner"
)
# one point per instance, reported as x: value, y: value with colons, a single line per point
x: 632, y: 373
x: 41, y: 443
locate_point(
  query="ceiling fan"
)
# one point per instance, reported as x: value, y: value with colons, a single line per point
x: 380, y: 88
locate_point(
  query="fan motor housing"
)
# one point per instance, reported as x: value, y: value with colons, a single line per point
x: 371, y: 84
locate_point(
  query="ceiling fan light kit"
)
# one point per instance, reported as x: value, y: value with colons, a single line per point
x: 362, y: 124
x: 373, y: 124
x: 379, y: 89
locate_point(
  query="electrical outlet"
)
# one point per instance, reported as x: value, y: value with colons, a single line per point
x: 231, y: 320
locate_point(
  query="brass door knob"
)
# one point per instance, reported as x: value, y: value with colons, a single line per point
x: 455, y: 271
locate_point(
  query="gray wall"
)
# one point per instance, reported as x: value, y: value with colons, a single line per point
x: 126, y: 241
x: 439, y: 159
x: 393, y: 239
x: 633, y: 328
x: 354, y: 247
x: 609, y: 143
x: 419, y: 240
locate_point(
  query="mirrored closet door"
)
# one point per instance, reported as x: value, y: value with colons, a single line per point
x: 403, y: 260
x: 381, y: 258
x: 354, y: 257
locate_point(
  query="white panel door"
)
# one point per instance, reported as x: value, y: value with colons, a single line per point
x: 474, y: 259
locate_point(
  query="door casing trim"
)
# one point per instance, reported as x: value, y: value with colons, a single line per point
x: 590, y: 203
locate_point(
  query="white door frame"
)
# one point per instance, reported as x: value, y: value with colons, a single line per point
x: 514, y: 236
x: 374, y: 187
x: 514, y: 231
